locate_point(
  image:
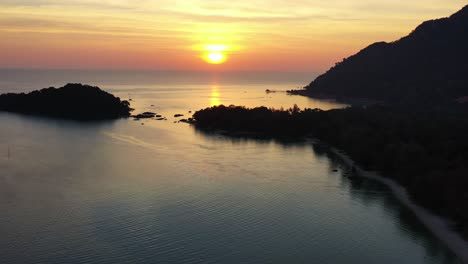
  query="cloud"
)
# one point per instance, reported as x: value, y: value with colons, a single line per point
x: 23, y: 2
x: 109, y: 5
x: 259, y: 19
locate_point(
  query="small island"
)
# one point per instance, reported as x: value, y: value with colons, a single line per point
x: 72, y: 101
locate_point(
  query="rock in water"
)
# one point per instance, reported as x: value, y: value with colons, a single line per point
x: 145, y: 115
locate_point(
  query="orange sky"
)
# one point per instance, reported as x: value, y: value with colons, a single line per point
x: 148, y: 34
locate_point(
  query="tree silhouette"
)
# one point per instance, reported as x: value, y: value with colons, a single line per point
x: 73, y: 101
x: 426, y: 152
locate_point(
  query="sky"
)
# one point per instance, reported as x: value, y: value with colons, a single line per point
x: 239, y: 35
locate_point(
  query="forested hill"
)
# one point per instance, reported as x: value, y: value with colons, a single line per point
x: 429, y: 65
x: 73, y: 101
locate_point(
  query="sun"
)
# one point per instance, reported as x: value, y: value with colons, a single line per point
x: 215, y: 53
x: 215, y: 57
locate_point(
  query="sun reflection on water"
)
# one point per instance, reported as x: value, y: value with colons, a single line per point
x: 215, y: 96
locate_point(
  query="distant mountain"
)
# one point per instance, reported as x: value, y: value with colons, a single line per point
x: 429, y: 65
x: 73, y: 101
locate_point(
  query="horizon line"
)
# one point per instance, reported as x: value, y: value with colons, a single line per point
x: 151, y: 70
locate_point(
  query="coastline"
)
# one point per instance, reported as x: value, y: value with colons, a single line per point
x: 438, y: 225
x: 335, y: 97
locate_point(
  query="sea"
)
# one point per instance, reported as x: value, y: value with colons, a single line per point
x: 161, y: 191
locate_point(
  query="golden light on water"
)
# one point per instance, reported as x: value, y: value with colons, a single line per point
x: 215, y: 96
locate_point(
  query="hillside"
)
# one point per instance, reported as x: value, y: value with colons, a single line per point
x: 429, y: 65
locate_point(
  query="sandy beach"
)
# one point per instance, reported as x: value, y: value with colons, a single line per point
x: 439, y: 226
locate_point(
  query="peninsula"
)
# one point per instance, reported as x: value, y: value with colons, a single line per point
x: 425, y: 152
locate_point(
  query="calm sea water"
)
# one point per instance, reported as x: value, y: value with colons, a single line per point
x: 162, y: 192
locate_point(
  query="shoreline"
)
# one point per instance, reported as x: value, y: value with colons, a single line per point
x: 334, y: 97
x: 438, y: 225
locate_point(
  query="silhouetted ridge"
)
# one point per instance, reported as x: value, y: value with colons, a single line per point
x: 73, y: 101
x: 429, y: 65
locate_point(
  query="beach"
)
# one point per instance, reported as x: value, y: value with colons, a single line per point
x: 439, y: 226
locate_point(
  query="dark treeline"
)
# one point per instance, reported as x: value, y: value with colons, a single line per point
x: 425, y: 152
x: 73, y: 101
x: 429, y: 66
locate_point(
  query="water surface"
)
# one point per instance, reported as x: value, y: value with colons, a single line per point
x: 163, y: 192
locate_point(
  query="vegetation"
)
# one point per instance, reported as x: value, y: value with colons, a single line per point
x: 426, y: 152
x: 427, y: 67
x: 73, y: 101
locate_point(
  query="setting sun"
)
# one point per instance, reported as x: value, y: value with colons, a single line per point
x: 215, y: 53
x: 215, y: 57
